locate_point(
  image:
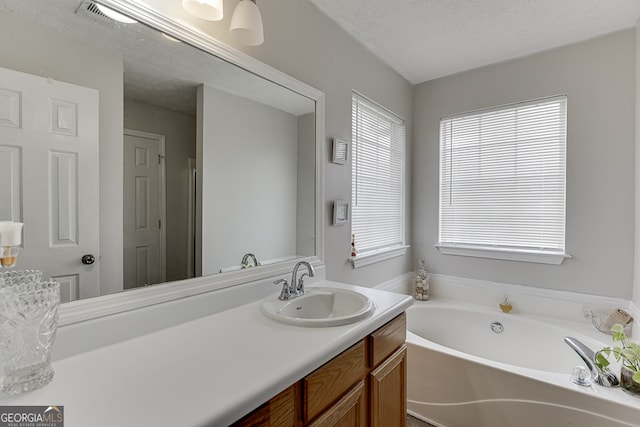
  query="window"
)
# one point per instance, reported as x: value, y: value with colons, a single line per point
x: 502, y: 182
x: 378, y: 181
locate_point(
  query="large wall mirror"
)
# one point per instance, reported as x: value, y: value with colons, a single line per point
x: 134, y: 143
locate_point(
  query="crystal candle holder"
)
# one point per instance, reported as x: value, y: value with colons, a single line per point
x: 28, y: 324
x: 19, y: 277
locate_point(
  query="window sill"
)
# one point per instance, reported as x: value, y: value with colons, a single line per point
x: 540, y: 257
x: 368, y: 258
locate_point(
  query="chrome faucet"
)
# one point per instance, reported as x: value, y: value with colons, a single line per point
x: 285, y: 294
x: 246, y: 257
x: 296, y: 287
x: 603, y: 377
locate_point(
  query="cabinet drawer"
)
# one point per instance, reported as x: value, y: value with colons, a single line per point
x: 280, y: 411
x: 327, y: 384
x: 387, y: 339
x: 257, y: 417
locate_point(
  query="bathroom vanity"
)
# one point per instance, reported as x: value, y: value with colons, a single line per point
x: 196, y: 351
x: 217, y: 369
x: 349, y: 389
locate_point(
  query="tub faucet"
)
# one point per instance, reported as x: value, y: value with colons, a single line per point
x: 245, y: 259
x: 603, y: 377
x: 297, y: 285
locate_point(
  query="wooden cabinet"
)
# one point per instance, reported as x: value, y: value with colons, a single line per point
x: 328, y: 383
x: 388, y: 378
x: 387, y: 339
x: 280, y: 411
x: 363, y: 386
x: 349, y: 411
x: 389, y: 391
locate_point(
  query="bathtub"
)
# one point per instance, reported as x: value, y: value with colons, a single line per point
x: 461, y: 373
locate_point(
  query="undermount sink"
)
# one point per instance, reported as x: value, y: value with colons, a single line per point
x: 319, y: 307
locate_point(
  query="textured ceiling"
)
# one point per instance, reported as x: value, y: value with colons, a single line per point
x: 157, y: 71
x: 427, y: 39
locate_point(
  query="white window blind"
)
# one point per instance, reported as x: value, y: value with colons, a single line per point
x: 502, y: 177
x: 378, y: 144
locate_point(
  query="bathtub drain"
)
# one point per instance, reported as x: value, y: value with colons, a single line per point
x: 497, y: 327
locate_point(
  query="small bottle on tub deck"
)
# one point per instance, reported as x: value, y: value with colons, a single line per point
x: 505, y: 305
x: 353, y: 245
x: 422, y: 283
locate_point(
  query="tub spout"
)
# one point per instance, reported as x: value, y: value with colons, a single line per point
x: 245, y: 260
x: 604, y: 377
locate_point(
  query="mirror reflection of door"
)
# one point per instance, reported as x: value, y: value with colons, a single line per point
x: 149, y: 83
x: 144, y: 209
x: 48, y: 139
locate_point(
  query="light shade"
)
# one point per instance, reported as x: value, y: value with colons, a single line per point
x: 246, y: 23
x: 211, y: 10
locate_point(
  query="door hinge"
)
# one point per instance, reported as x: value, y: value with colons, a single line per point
x: 160, y: 157
x: 160, y: 224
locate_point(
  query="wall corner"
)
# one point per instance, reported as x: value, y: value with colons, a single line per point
x: 636, y: 267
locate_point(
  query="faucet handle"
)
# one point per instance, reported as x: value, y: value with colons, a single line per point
x: 300, y: 287
x: 286, y: 290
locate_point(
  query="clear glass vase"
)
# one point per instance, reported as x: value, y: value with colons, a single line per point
x: 28, y: 324
x: 421, y: 284
x: 627, y: 383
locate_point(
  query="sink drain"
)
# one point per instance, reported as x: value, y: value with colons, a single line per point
x: 497, y: 327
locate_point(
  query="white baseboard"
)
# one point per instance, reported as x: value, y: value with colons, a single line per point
x: 525, y: 299
x: 401, y: 284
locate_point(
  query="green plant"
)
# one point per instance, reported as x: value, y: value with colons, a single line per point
x: 628, y: 353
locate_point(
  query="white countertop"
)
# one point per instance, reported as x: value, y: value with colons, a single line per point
x: 210, y: 371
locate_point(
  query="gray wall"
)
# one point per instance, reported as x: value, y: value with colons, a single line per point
x: 179, y: 130
x: 33, y: 49
x: 304, y: 43
x: 636, y: 285
x: 246, y: 180
x: 598, y: 77
x: 306, y: 199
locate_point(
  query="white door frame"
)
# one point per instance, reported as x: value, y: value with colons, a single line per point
x: 162, y: 197
x: 191, y: 226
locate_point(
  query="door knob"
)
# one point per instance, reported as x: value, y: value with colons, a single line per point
x: 88, y: 259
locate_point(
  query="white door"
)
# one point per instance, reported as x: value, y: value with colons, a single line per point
x: 49, y: 174
x: 144, y: 223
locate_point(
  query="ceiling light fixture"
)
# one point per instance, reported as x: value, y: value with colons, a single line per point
x: 117, y: 16
x: 211, y: 10
x: 246, y: 23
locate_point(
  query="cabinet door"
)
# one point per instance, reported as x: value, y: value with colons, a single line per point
x: 389, y: 391
x: 350, y: 411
